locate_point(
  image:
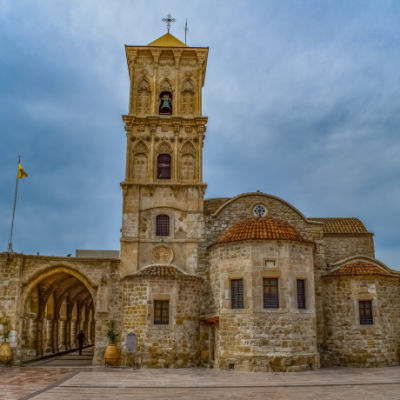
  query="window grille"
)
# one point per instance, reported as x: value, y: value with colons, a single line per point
x: 365, y: 308
x: 237, y: 293
x: 164, y: 166
x: 161, y: 312
x: 271, y: 293
x: 301, y: 294
x: 162, y: 225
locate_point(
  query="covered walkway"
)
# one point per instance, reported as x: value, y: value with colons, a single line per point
x: 72, y: 359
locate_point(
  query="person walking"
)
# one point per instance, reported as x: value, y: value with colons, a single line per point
x: 81, y: 340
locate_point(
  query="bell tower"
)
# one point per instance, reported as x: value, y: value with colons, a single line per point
x: 163, y: 189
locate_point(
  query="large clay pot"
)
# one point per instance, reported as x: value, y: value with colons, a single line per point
x: 111, y: 355
x: 5, y: 352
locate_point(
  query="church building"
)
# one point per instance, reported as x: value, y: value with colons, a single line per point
x: 245, y: 283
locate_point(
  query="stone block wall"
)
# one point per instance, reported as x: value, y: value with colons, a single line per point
x: 340, y: 247
x: 163, y: 346
x: 255, y: 338
x: 349, y: 344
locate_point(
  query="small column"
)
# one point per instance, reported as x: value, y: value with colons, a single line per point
x: 200, y: 132
x: 152, y: 162
x: 93, y: 330
x: 68, y: 334
x: 78, y: 324
x: 39, y: 341
x: 55, y: 333
x: 49, y: 336
x: 132, y: 97
x: 73, y: 334
x: 89, y: 334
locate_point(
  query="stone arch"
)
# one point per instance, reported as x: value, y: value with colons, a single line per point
x: 164, y: 148
x: 187, y: 98
x: 144, y: 97
x: 140, y: 148
x: 188, y: 148
x: 53, y: 270
x: 267, y: 196
x: 53, y: 287
x: 166, y: 85
x: 140, y: 161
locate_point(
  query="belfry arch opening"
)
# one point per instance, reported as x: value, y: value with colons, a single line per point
x: 57, y: 305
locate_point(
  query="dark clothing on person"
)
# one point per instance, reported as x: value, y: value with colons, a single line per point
x: 81, y: 340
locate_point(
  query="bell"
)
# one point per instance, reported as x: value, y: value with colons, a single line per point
x: 165, y: 106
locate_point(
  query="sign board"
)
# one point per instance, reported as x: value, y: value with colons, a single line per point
x: 131, y: 343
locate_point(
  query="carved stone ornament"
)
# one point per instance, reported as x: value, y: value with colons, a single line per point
x: 188, y: 86
x: 166, y: 86
x: 133, y: 138
x: 164, y: 148
x: 153, y: 128
x: 187, y: 63
x: 188, y: 129
x: 164, y: 128
x: 140, y: 148
x: 157, y: 138
x: 165, y: 62
x: 144, y: 86
x: 162, y: 254
x: 188, y: 74
x: 188, y: 148
x: 141, y: 128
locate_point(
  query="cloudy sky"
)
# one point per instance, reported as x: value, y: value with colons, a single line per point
x: 303, y: 100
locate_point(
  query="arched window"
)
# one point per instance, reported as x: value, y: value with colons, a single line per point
x: 164, y: 166
x: 165, y: 103
x: 162, y: 225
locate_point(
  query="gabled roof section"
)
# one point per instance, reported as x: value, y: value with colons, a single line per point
x: 342, y: 226
x: 167, y: 40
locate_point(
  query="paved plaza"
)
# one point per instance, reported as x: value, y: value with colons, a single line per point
x: 49, y: 383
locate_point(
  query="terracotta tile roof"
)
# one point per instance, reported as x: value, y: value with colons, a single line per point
x: 160, y: 270
x: 359, y: 268
x: 342, y: 226
x: 255, y: 228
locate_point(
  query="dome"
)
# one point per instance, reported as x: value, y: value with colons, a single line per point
x: 359, y: 268
x: 160, y: 270
x: 261, y: 228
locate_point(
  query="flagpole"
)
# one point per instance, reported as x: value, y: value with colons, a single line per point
x: 10, y: 249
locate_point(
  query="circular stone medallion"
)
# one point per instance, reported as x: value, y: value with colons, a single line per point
x: 260, y: 210
x: 162, y: 254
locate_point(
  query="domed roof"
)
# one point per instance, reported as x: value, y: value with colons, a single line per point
x: 359, y: 268
x: 160, y: 270
x: 256, y: 228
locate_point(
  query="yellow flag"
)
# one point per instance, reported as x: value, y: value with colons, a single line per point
x: 21, y: 172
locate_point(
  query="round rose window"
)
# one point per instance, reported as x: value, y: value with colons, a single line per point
x: 259, y: 210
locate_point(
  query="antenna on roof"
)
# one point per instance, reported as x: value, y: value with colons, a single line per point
x: 185, y: 29
x: 168, y: 20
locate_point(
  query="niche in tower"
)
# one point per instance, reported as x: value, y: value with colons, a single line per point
x: 165, y: 103
x: 165, y: 99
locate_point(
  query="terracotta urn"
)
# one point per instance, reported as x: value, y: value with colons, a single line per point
x: 111, y: 356
x: 5, y: 352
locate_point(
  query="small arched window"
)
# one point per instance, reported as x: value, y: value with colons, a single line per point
x: 164, y: 166
x: 162, y: 225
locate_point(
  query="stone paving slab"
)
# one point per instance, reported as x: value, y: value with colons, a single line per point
x: 198, y: 384
x: 390, y: 392
x: 16, y: 383
x: 209, y: 378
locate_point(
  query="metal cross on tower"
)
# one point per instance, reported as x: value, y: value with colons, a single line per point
x: 168, y: 20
